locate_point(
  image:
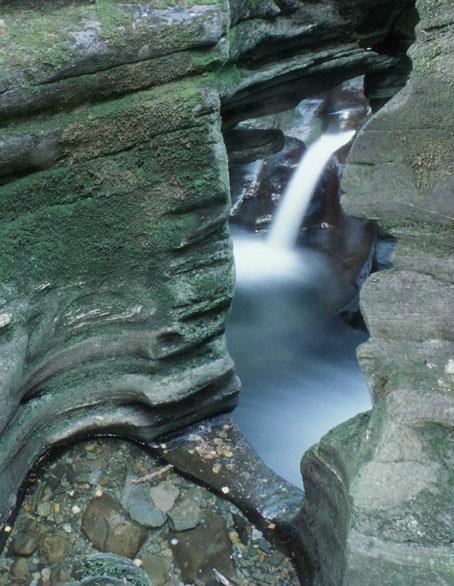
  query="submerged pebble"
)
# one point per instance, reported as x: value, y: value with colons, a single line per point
x: 167, y: 530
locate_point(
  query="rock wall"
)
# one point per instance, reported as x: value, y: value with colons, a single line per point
x: 115, y: 258
x: 379, y: 488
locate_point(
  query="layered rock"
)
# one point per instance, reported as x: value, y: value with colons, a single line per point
x: 115, y: 262
x: 116, y: 269
x: 379, y: 500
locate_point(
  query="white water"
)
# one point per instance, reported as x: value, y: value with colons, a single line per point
x: 295, y: 358
x: 297, y: 196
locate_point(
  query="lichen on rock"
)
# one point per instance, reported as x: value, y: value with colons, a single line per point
x: 116, y: 270
x: 385, y: 478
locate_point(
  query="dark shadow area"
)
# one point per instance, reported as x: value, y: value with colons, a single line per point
x: 381, y: 86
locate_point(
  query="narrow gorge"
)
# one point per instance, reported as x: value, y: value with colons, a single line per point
x: 135, y: 139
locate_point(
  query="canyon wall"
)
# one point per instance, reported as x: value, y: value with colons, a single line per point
x: 379, y: 488
x: 115, y: 260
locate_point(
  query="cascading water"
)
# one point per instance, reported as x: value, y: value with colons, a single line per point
x: 297, y: 197
x: 295, y: 358
x: 274, y: 257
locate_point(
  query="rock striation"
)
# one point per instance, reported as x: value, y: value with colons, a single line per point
x: 115, y: 259
x: 379, y: 497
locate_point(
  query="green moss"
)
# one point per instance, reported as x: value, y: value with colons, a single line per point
x: 109, y: 84
x: 114, y: 567
x: 172, y: 3
x: 42, y: 38
x: 168, y: 97
x: 41, y: 35
x: 227, y: 78
x: 120, y: 207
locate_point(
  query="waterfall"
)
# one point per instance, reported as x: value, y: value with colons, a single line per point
x: 276, y: 258
x: 298, y: 194
x: 295, y: 358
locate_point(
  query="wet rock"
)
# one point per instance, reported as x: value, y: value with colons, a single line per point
x: 256, y: 189
x: 146, y: 515
x: 136, y: 500
x: 26, y: 542
x: 242, y: 527
x: 19, y: 570
x: 43, y: 509
x: 245, y: 145
x: 249, y: 483
x: 55, y: 547
x: 164, y: 495
x: 62, y: 572
x: 109, y: 528
x: 55, y: 476
x: 200, y: 550
x: 95, y: 476
x: 157, y: 568
x: 185, y: 515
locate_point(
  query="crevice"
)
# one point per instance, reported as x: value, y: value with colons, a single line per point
x: 214, y: 312
x: 380, y: 87
x: 188, y: 208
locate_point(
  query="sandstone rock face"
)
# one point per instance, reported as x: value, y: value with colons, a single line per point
x: 379, y: 488
x: 116, y: 268
x: 115, y: 257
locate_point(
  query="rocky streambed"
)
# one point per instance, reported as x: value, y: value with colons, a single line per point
x: 109, y: 507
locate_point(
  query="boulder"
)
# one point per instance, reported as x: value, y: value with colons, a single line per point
x: 109, y: 528
x: 185, y: 515
x: 136, y: 500
x: 199, y: 550
x: 379, y: 506
x: 55, y: 546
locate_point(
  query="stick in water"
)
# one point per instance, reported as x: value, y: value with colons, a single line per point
x: 153, y: 475
x: 222, y: 579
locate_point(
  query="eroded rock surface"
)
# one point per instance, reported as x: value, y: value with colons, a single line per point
x: 115, y: 262
x: 379, y: 488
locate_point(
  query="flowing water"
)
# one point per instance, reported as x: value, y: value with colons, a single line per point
x: 291, y: 212
x: 295, y: 357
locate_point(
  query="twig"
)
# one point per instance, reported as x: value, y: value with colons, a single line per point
x: 222, y: 579
x: 153, y: 475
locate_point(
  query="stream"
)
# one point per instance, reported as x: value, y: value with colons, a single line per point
x: 295, y: 357
x: 296, y: 360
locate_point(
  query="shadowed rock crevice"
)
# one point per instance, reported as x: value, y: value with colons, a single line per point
x: 382, y: 86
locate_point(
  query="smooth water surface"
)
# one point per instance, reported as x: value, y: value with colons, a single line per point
x: 294, y: 356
